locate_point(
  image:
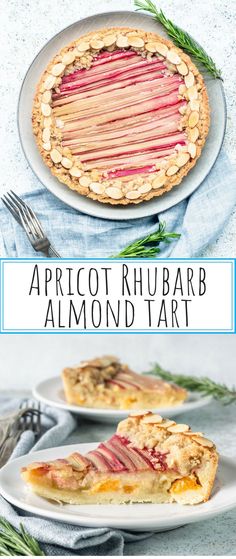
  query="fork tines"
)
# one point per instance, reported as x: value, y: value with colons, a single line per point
x: 26, y: 217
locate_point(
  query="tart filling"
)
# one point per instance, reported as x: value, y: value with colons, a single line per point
x: 121, y: 115
x: 149, y: 459
x: 106, y: 383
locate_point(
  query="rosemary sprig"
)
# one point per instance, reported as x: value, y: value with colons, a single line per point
x: 13, y: 542
x: 147, y: 247
x: 197, y: 384
x: 180, y: 37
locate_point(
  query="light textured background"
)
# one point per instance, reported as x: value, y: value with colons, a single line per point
x: 28, y: 359
x: 27, y: 25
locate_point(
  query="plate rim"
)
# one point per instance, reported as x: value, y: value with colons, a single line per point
x: 141, y: 524
x: 85, y: 211
x: 103, y: 412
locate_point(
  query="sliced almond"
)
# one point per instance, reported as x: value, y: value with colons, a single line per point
x: 166, y: 423
x: 171, y: 67
x: 197, y: 434
x: 203, y: 441
x: 96, y: 44
x: 46, y: 135
x: 182, y: 69
x: 194, y: 105
x: 193, y: 134
x: 58, y: 69
x: 84, y: 181
x: 109, y: 40
x: 140, y: 414
x: 114, y: 192
x: 122, y: 41
x: 150, y: 47
x: 75, y: 172
x: 56, y: 156
x: 46, y: 109
x: 192, y: 149
x: 173, y: 57
x: 66, y: 162
x: 68, y: 58
x: 182, y: 159
x: 135, y: 41
x: 46, y: 97
x: 144, y: 188
x: 182, y: 89
x: 172, y: 170
x: 82, y: 47
x: 133, y: 195
x: 47, y: 122
x: 47, y: 146
x: 49, y: 82
x: 179, y: 428
x: 193, y: 119
x: 192, y: 93
x: 178, y: 147
x: 189, y: 79
x: 182, y: 109
x: 161, y: 49
x: 153, y: 418
x: 97, y: 187
x: 159, y: 180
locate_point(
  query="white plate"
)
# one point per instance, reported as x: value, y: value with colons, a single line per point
x: 51, y: 392
x: 139, y: 517
x: 85, y: 205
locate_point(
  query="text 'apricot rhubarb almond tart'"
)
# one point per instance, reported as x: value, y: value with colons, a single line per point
x: 106, y: 383
x: 121, y: 115
x: 149, y: 459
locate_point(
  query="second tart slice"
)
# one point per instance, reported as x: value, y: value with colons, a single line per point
x: 106, y: 383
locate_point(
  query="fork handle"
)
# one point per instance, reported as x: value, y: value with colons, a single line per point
x: 53, y: 253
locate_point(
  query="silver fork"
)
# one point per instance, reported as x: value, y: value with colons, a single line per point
x: 29, y: 419
x: 26, y: 217
x: 32, y: 417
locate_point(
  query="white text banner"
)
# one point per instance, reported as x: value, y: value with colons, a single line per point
x: 117, y: 296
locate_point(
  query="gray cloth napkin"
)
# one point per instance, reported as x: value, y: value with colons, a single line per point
x: 54, y: 537
x: 199, y: 218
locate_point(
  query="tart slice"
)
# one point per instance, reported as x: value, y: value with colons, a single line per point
x: 149, y: 459
x: 121, y: 115
x: 106, y: 383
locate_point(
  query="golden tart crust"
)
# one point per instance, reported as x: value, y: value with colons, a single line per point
x: 194, y: 117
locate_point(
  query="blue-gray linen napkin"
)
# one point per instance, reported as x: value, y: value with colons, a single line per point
x: 200, y: 219
x: 54, y: 537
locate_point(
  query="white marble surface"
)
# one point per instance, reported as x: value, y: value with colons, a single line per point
x: 26, y: 26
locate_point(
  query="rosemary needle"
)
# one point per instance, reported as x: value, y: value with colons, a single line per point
x: 13, y: 542
x: 147, y: 247
x: 180, y: 37
x: 197, y: 384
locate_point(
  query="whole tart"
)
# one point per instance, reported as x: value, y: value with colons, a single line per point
x: 121, y: 115
x: 105, y: 382
x: 148, y: 460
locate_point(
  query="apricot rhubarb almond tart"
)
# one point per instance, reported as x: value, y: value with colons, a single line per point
x: 121, y: 115
x: 149, y: 459
x: 106, y: 383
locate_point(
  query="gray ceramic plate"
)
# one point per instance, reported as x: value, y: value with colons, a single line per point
x: 81, y: 203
